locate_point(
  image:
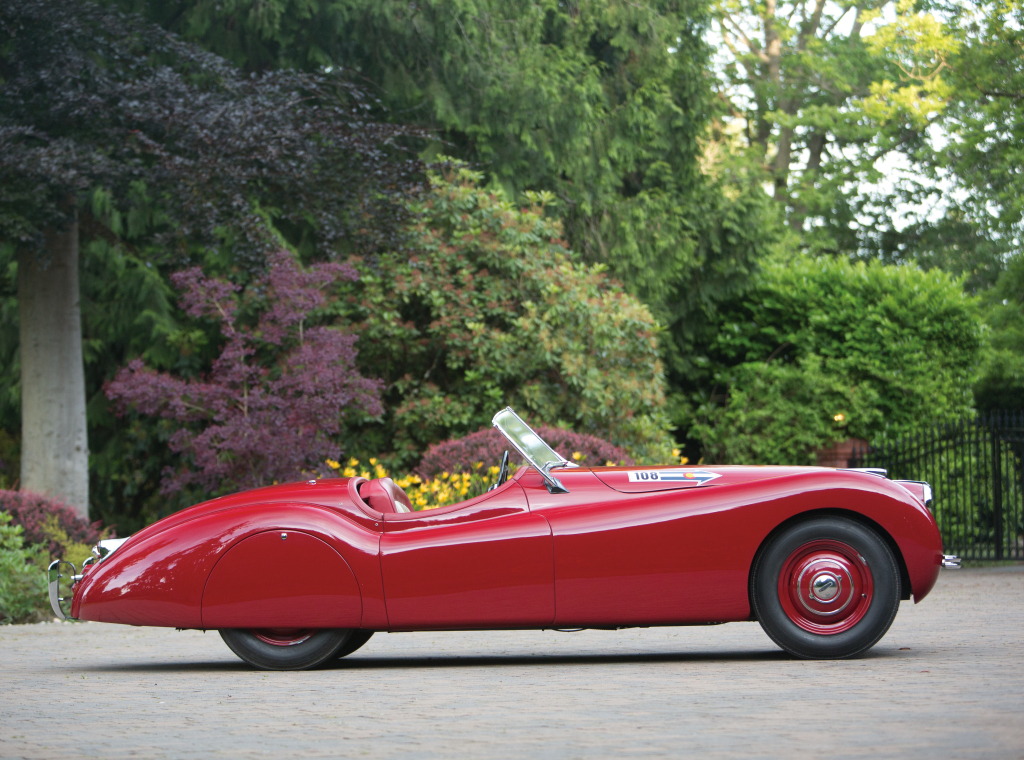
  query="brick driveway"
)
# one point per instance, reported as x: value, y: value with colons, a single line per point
x: 946, y: 682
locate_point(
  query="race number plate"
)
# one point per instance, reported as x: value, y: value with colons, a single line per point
x: 695, y: 477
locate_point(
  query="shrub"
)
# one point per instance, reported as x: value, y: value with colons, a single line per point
x: 49, y: 523
x: 463, y: 454
x: 821, y: 350
x: 23, y: 594
x: 489, y: 308
x: 276, y: 394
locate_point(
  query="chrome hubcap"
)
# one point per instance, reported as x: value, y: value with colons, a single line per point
x: 825, y: 587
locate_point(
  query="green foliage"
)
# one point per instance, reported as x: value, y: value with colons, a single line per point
x: 1001, y: 385
x: 821, y: 350
x: 23, y: 593
x: 493, y: 310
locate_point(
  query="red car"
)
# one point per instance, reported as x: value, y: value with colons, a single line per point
x: 295, y: 575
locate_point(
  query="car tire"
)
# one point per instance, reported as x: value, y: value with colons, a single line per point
x: 826, y: 588
x: 286, y: 649
x: 355, y: 641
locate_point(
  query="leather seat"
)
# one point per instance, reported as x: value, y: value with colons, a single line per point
x: 385, y: 495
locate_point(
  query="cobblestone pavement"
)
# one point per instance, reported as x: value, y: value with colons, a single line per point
x: 946, y: 682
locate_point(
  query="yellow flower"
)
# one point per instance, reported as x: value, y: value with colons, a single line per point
x: 493, y: 470
x: 353, y: 462
x: 373, y: 460
x: 444, y: 476
x: 609, y: 463
x: 332, y: 464
x: 364, y: 474
x: 349, y: 472
x: 577, y: 456
x: 684, y: 460
x: 675, y: 452
x: 478, y: 465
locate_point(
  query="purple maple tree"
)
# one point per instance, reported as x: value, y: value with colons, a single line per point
x: 255, y: 420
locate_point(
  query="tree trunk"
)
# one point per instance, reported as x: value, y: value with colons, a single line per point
x: 54, y: 447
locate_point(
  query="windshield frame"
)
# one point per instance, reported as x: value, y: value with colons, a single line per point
x: 507, y: 422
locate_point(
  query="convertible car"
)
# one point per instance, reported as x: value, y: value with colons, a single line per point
x: 296, y: 575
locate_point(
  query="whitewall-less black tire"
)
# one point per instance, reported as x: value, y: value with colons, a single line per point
x: 281, y: 649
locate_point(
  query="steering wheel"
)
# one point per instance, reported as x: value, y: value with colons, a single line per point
x: 503, y: 472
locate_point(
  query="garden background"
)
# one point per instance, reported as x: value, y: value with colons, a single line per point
x: 303, y: 238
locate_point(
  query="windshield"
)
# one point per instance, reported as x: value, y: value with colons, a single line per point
x: 529, y: 444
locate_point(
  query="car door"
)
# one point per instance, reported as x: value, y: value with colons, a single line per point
x: 486, y: 563
x: 638, y: 559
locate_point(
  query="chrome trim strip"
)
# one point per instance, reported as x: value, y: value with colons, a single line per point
x: 950, y: 561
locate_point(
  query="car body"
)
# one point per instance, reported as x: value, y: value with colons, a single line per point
x: 606, y: 547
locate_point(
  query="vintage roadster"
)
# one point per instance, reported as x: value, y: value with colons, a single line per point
x: 295, y: 575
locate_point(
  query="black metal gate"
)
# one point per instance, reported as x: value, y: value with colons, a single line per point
x: 976, y: 470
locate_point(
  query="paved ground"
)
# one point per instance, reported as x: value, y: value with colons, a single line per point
x: 946, y: 682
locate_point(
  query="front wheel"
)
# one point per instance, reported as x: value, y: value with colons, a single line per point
x: 826, y: 588
x: 286, y: 648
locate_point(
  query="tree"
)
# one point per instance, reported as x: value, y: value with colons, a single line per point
x: 493, y: 309
x: 822, y: 349
x: 91, y: 98
x: 277, y: 394
x: 984, y: 120
x: 604, y: 104
x: 821, y: 94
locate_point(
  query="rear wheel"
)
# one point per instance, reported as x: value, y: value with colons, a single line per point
x: 355, y: 641
x: 826, y: 588
x: 287, y: 648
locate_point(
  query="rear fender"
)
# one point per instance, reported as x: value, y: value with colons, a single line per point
x: 160, y: 579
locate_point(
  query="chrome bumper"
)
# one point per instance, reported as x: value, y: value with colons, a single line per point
x: 950, y: 561
x: 54, y: 575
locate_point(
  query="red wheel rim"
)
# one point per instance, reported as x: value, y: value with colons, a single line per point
x: 825, y: 587
x: 282, y: 637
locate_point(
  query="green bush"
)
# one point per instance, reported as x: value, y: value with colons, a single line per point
x: 23, y: 593
x: 820, y: 350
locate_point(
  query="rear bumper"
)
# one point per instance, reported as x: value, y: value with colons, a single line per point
x: 53, y: 577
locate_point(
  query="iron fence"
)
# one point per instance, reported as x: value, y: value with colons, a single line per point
x: 976, y: 471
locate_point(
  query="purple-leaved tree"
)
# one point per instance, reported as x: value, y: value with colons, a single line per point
x: 275, y: 396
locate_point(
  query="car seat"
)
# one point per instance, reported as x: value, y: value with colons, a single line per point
x: 385, y: 495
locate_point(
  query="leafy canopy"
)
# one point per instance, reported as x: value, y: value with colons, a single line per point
x: 605, y: 104
x: 91, y: 98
